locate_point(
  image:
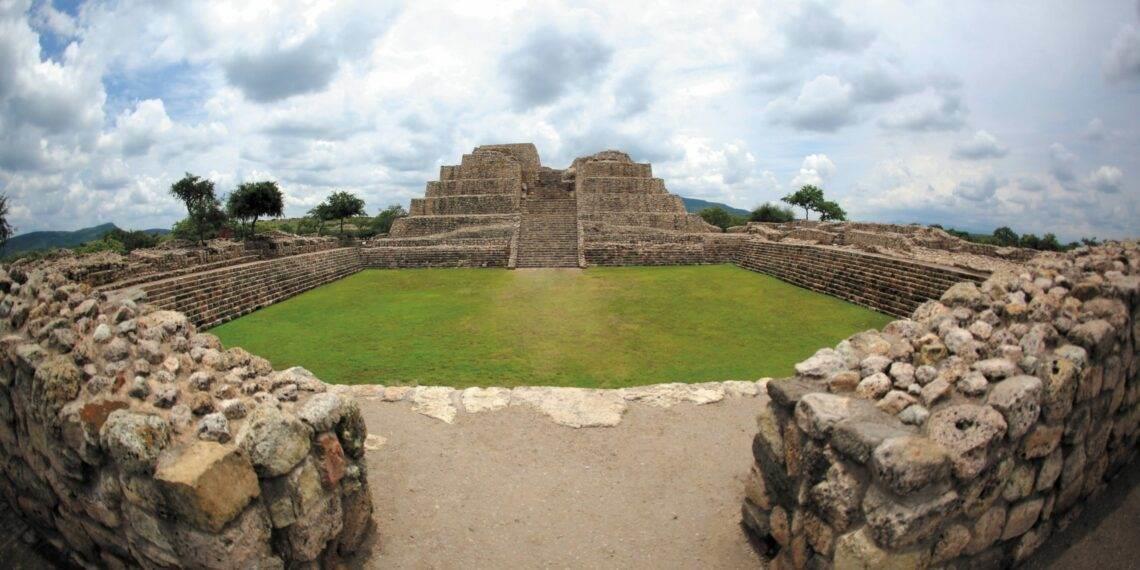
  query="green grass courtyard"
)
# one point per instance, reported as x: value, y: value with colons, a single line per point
x: 601, y: 327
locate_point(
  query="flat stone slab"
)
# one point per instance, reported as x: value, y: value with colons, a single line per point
x: 570, y: 407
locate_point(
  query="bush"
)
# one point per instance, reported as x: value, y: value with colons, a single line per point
x: 769, y: 212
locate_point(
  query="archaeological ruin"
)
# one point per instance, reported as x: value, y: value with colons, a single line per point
x: 964, y: 434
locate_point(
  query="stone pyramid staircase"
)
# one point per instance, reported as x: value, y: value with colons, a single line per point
x: 548, y: 230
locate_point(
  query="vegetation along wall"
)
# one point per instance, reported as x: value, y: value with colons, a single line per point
x: 961, y: 437
x: 129, y: 439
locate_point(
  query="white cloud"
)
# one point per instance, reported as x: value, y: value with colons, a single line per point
x: 1122, y: 62
x: 817, y: 170
x: 978, y: 189
x: 932, y: 110
x: 1095, y: 130
x: 817, y: 27
x: 823, y: 104
x: 1106, y: 179
x: 982, y: 145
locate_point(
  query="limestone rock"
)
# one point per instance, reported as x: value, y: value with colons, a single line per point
x: 134, y: 440
x: 874, y: 386
x: 1021, y: 518
x: 322, y: 411
x: 966, y: 431
x: 207, y: 484
x: 274, y: 441
x: 823, y: 363
x: 899, y: 522
x: 214, y: 427
x: 434, y: 402
x: 908, y: 464
x: 1018, y: 400
x: 477, y: 400
x: 857, y: 551
x: 817, y: 413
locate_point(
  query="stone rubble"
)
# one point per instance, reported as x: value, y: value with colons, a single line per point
x: 964, y: 435
x: 130, y: 439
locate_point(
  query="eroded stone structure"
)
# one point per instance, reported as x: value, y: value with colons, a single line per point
x: 130, y: 439
x: 964, y: 436
x: 501, y: 207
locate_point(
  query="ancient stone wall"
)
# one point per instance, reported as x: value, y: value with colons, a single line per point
x: 598, y: 184
x: 628, y: 202
x: 964, y: 436
x: 213, y: 297
x: 706, y: 248
x: 413, y: 226
x: 128, y: 439
x: 886, y: 284
x: 446, y: 255
x: 465, y: 205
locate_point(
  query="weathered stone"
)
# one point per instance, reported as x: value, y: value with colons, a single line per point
x: 322, y: 411
x: 987, y: 529
x: 476, y: 400
x: 900, y: 522
x: 874, y: 386
x: 273, y: 441
x: 1041, y: 440
x: 857, y: 437
x: 857, y: 551
x: 1060, y: 378
x: 966, y: 431
x: 896, y: 401
x: 909, y: 464
x: 935, y: 391
x: 787, y: 392
x: 1018, y: 400
x: 844, y: 381
x: 823, y: 363
x: 873, y: 364
x: 950, y: 543
x: 996, y: 368
x: 755, y: 519
x: 902, y: 374
x: 206, y: 483
x: 915, y: 415
x: 434, y: 402
x: 839, y: 497
x: 134, y: 440
x: 1022, y: 516
x: 816, y: 414
x: 214, y: 427
x: 973, y: 384
x: 57, y: 382
x: 1096, y: 336
x: 964, y: 294
x: 1050, y: 470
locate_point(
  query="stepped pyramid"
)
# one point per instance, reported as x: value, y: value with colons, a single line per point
x: 500, y: 207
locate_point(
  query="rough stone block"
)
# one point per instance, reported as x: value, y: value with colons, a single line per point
x: 909, y: 464
x: 207, y: 483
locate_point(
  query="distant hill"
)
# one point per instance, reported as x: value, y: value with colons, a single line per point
x: 695, y: 205
x: 32, y: 241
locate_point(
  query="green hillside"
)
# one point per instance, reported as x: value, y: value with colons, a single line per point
x: 695, y: 205
x: 33, y: 241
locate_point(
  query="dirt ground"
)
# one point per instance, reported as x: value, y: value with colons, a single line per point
x: 511, y: 489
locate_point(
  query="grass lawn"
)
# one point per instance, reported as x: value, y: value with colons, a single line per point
x: 602, y: 327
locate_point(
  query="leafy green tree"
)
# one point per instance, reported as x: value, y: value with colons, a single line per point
x: 320, y: 214
x: 807, y: 197
x: 6, y: 229
x: 252, y: 200
x: 204, y: 215
x: 830, y: 211
x: 343, y: 205
x: 769, y: 212
x: 717, y: 216
x: 382, y: 224
x: 1030, y: 240
x: 1049, y: 243
x: 1006, y: 237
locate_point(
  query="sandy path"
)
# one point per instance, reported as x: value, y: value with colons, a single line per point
x: 512, y: 489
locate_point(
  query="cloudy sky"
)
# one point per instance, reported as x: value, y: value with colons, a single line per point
x: 973, y: 114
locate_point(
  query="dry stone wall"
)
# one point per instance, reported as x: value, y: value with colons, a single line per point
x: 888, y: 285
x: 213, y: 297
x: 446, y: 255
x: 129, y: 439
x: 964, y: 436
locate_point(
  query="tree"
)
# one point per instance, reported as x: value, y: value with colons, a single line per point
x: 344, y: 205
x: 6, y: 229
x: 830, y: 211
x: 320, y: 214
x: 1030, y: 240
x: 204, y: 215
x: 808, y: 197
x: 1049, y: 243
x: 716, y: 216
x: 252, y: 200
x: 1004, y: 236
x: 771, y: 213
x: 382, y: 224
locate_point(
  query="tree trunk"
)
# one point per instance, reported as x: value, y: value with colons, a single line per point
x: 806, y: 217
x: 253, y: 227
x: 342, y: 227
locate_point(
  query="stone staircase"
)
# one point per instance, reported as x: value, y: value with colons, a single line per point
x: 548, y: 230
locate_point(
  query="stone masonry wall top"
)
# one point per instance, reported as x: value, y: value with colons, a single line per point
x: 130, y: 439
x: 963, y: 436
